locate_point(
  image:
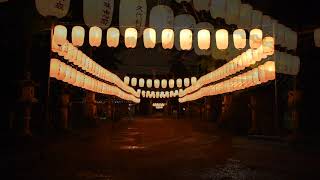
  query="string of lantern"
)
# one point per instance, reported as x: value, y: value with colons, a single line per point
x: 160, y: 94
x: 157, y: 83
x: 159, y: 105
x: 72, y: 76
x: 75, y: 56
x: 254, y: 77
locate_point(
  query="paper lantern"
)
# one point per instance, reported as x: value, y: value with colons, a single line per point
x: 186, y: 82
x: 149, y: 38
x: 255, y: 38
x: 167, y: 38
x: 269, y: 68
x: 193, y: 80
x: 156, y: 83
x: 77, y: 35
x: 62, y: 71
x: 131, y: 36
x: 256, y: 19
x: 54, y: 68
x: 141, y: 82
x: 113, y: 35
x: 183, y: 21
x: 171, y: 83
x: 143, y: 93
x: 132, y: 13
x: 201, y: 5
x: 171, y: 94
x: 268, y: 45
x: 222, y: 39
x: 317, y: 37
x: 179, y: 83
x: 161, y: 17
x: 233, y: 11
x: 210, y: 41
x: 245, y: 16
x: 98, y: 13
x: 218, y: 8
x: 167, y: 94
x: 204, y: 39
x: 95, y: 34
x: 164, y: 83
x: 126, y: 80
x: 80, y: 79
x: 134, y: 82
x: 186, y: 39
x: 267, y: 25
x: 60, y: 34
x: 239, y: 38
x: 55, y: 8
x: 157, y: 94
x: 149, y: 83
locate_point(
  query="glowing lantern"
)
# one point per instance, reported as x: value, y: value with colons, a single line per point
x: 245, y: 16
x: 148, y: 94
x: 77, y: 35
x: 171, y: 83
x: 268, y: 45
x: 149, y: 38
x: 239, y: 38
x: 131, y: 35
x: 222, y: 39
x: 210, y: 41
x: 62, y: 71
x: 161, y: 17
x: 126, y: 80
x: 141, y: 82
x: 201, y: 5
x: 167, y: 94
x: 204, y: 39
x: 186, y: 39
x: 317, y: 37
x: 79, y: 80
x: 179, y: 83
x: 95, y: 34
x: 255, y: 38
x: 134, y: 82
x: 193, y: 80
x: 156, y: 83
x: 143, y: 93
x: 167, y: 38
x: 73, y: 76
x: 55, y: 8
x: 186, y: 82
x: 113, y: 35
x: 149, y: 83
x: 183, y: 21
x: 256, y: 19
x: 269, y: 68
x: 98, y: 13
x: 218, y: 8
x: 233, y: 11
x: 157, y: 94
x: 171, y: 94
x: 60, y: 34
x: 54, y: 68
x: 164, y: 83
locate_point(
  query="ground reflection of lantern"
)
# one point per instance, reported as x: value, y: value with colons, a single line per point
x: 78, y: 34
x: 186, y: 39
x: 149, y: 83
x: 113, y: 35
x: 179, y: 83
x: 167, y: 38
x: 204, y: 39
x: 186, y: 82
x: 268, y: 45
x: 126, y: 80
x: 164, y: 83
x: 131, y: 35
x: 133, y: 82
x: 171, y: 83
x: 60, y: 34
x: 149, y: 38
x: 239, y: 38
x: 141, y: 82
x: 255, y: 38
x: 156, y: 83
x: 95, y: 35
x: 222, y: 39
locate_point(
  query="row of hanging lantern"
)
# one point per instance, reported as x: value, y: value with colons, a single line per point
x: 254, y: 77
x: 244, y: 16
x: 159, y: 105
x: 157, y: 83
x: 244, y: 60
x: 160, y: 94
x: 78, y: 58
x: 70, y: 75
x: 287, y: 63
x: 203, y: 37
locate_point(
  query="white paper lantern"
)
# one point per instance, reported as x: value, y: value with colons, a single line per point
x: 317, y: 37
x: 55, y: 8
x: 143, y: 93
x: 132, y: 13
x: 164, y: 83
x: 193, y: 80
x: 204, y: 39
x: 171, y: 94
x: 239, y: 38
x: 256, y: 19
x: 218, y: 8
x: 134, y: 82
x: 245, y: 16
x: 186, y: 39
x: 161, y: 17
x: 179, y: 83
x: 131, y: 36
x: 95, y: 35
x: 98, y: 13
x: 149, y: 83
x: 156, y: 83
x: 167, y: 38
x: 203, y: 26
x: 157, y: 94
x: 113, y: 35
x: 141, y: 82
x: 78, y: 34
x: 255, y: 38
x: 60, y: 34
x: 149, y: 38
x: 183, y: 21
x: 233, y: 11
x: 268, y: 45
x: 201, y: 5
x: 222, y: 39
x: 186, y: 82
x: 171, y: 83
x: 126, y: 80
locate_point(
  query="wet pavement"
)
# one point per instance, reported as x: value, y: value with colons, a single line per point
x: 154, y: 148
